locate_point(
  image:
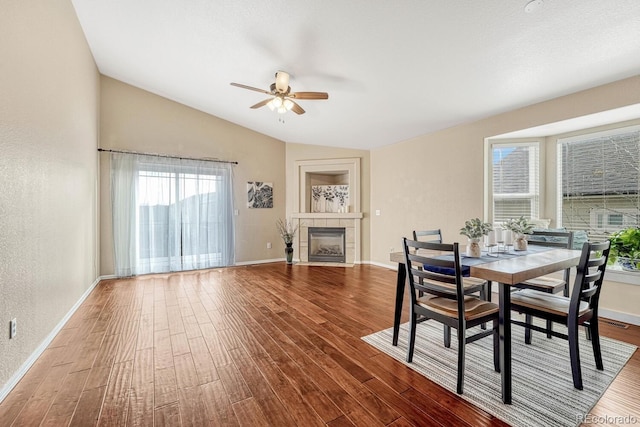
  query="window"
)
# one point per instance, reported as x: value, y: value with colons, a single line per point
x: 171, y: 214
x: 599, y: 181
x: 515, y: 183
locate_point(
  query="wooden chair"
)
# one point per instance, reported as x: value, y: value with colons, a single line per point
x: 552, y: 239
x: 445, y: 300
x: 549, y: 284
x: 472, y: 284
x: 581, y: 308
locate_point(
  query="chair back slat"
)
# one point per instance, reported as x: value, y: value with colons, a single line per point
x: 433, y: 236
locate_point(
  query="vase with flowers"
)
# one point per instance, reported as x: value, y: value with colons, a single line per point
x: 475, y: 229
x: 520, y: 227
x: 287, y: 231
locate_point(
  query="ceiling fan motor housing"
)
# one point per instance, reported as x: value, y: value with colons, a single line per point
x: 282, y: 81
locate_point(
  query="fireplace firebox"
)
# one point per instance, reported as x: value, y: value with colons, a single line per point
x: 327, y: 244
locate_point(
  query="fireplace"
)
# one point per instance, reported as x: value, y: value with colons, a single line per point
x: 327, y: 244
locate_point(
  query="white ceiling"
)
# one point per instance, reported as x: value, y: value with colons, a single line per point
x: 393, y: 70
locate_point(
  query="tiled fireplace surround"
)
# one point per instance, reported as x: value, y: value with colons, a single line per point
x: 306, y: 172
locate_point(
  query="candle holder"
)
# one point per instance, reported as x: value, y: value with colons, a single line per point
x: 495, y: 249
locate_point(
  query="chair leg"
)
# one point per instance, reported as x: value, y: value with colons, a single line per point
x: 574, y: 352
x: 461, y: 345
x: 488, y: 291
x: 483, y: 296
x: 595, y: 343
x: 527, y: 331
x: 447, y: 336
x: 496, y: 347
x: 412, y: 336
x: 549, y: 328
x: 587, y: 332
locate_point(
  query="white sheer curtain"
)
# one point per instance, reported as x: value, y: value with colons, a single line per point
x: 170, y: 214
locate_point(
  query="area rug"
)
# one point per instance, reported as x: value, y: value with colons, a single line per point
x: 543, y: 392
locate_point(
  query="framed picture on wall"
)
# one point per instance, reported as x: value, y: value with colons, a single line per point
x: 259, y: 195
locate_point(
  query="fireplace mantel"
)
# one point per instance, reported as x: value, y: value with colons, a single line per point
x: 354, y: 215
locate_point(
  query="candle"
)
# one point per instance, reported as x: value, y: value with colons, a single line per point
x: 491, y: 238
x: 508, y: 237
x: 499, y: 237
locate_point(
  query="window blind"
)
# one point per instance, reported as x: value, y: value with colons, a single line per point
x: 515, y: 170
x: 600, y: 181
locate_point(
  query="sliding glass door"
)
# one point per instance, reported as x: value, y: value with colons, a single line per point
x: 171, y: 214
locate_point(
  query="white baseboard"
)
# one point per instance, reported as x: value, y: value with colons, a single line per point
x: 380, y: 264
x: 17, y: 376
x: 631, y: 319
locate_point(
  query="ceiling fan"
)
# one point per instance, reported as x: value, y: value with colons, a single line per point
x: 282, y: 99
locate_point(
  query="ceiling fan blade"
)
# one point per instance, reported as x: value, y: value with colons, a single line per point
x: 309, y: 95
x: 297, y: 108
x: 250, y: 88
x: 261, y: 103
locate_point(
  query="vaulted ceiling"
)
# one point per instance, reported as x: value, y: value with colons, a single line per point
x: 393, y: 70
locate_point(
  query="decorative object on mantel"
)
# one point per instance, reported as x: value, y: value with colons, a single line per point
x: 259, y: 194
x: 330, y: 198
x: 520, y: 228
x: 625, y: 249
x: 287, y: 232
x: 475, y: 229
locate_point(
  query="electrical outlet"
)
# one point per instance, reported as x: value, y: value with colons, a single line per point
x: 268, y: 245
x: 14, y: 328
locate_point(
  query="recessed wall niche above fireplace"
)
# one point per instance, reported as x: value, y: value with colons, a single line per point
x: 327, y: 172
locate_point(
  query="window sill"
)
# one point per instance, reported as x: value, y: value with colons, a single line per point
x: 617, y: 274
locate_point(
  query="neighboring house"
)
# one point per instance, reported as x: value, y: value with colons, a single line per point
x: 601, y: 196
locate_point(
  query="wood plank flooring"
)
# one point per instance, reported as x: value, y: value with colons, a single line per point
x: 264, y: 345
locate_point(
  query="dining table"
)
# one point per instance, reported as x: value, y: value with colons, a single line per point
x: 506, y: 269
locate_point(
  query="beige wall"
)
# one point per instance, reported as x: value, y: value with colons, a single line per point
x: 49, y: 97
x: 136, y: 120
x: 436, y: 180
x: 297, y: 152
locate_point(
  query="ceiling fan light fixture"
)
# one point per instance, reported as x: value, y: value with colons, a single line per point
x: 276, y: 102
x: 288, y: 104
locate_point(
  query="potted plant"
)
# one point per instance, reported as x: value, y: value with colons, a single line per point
x: 625, y: 248
x: 287, y: 232
x: 520, y: 227
x: 474, y: 229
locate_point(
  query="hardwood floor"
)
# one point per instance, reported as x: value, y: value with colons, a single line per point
x: 265, y: 345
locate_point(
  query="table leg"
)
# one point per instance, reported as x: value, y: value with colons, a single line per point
x: 400, y: 282
x: 504, y: 330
